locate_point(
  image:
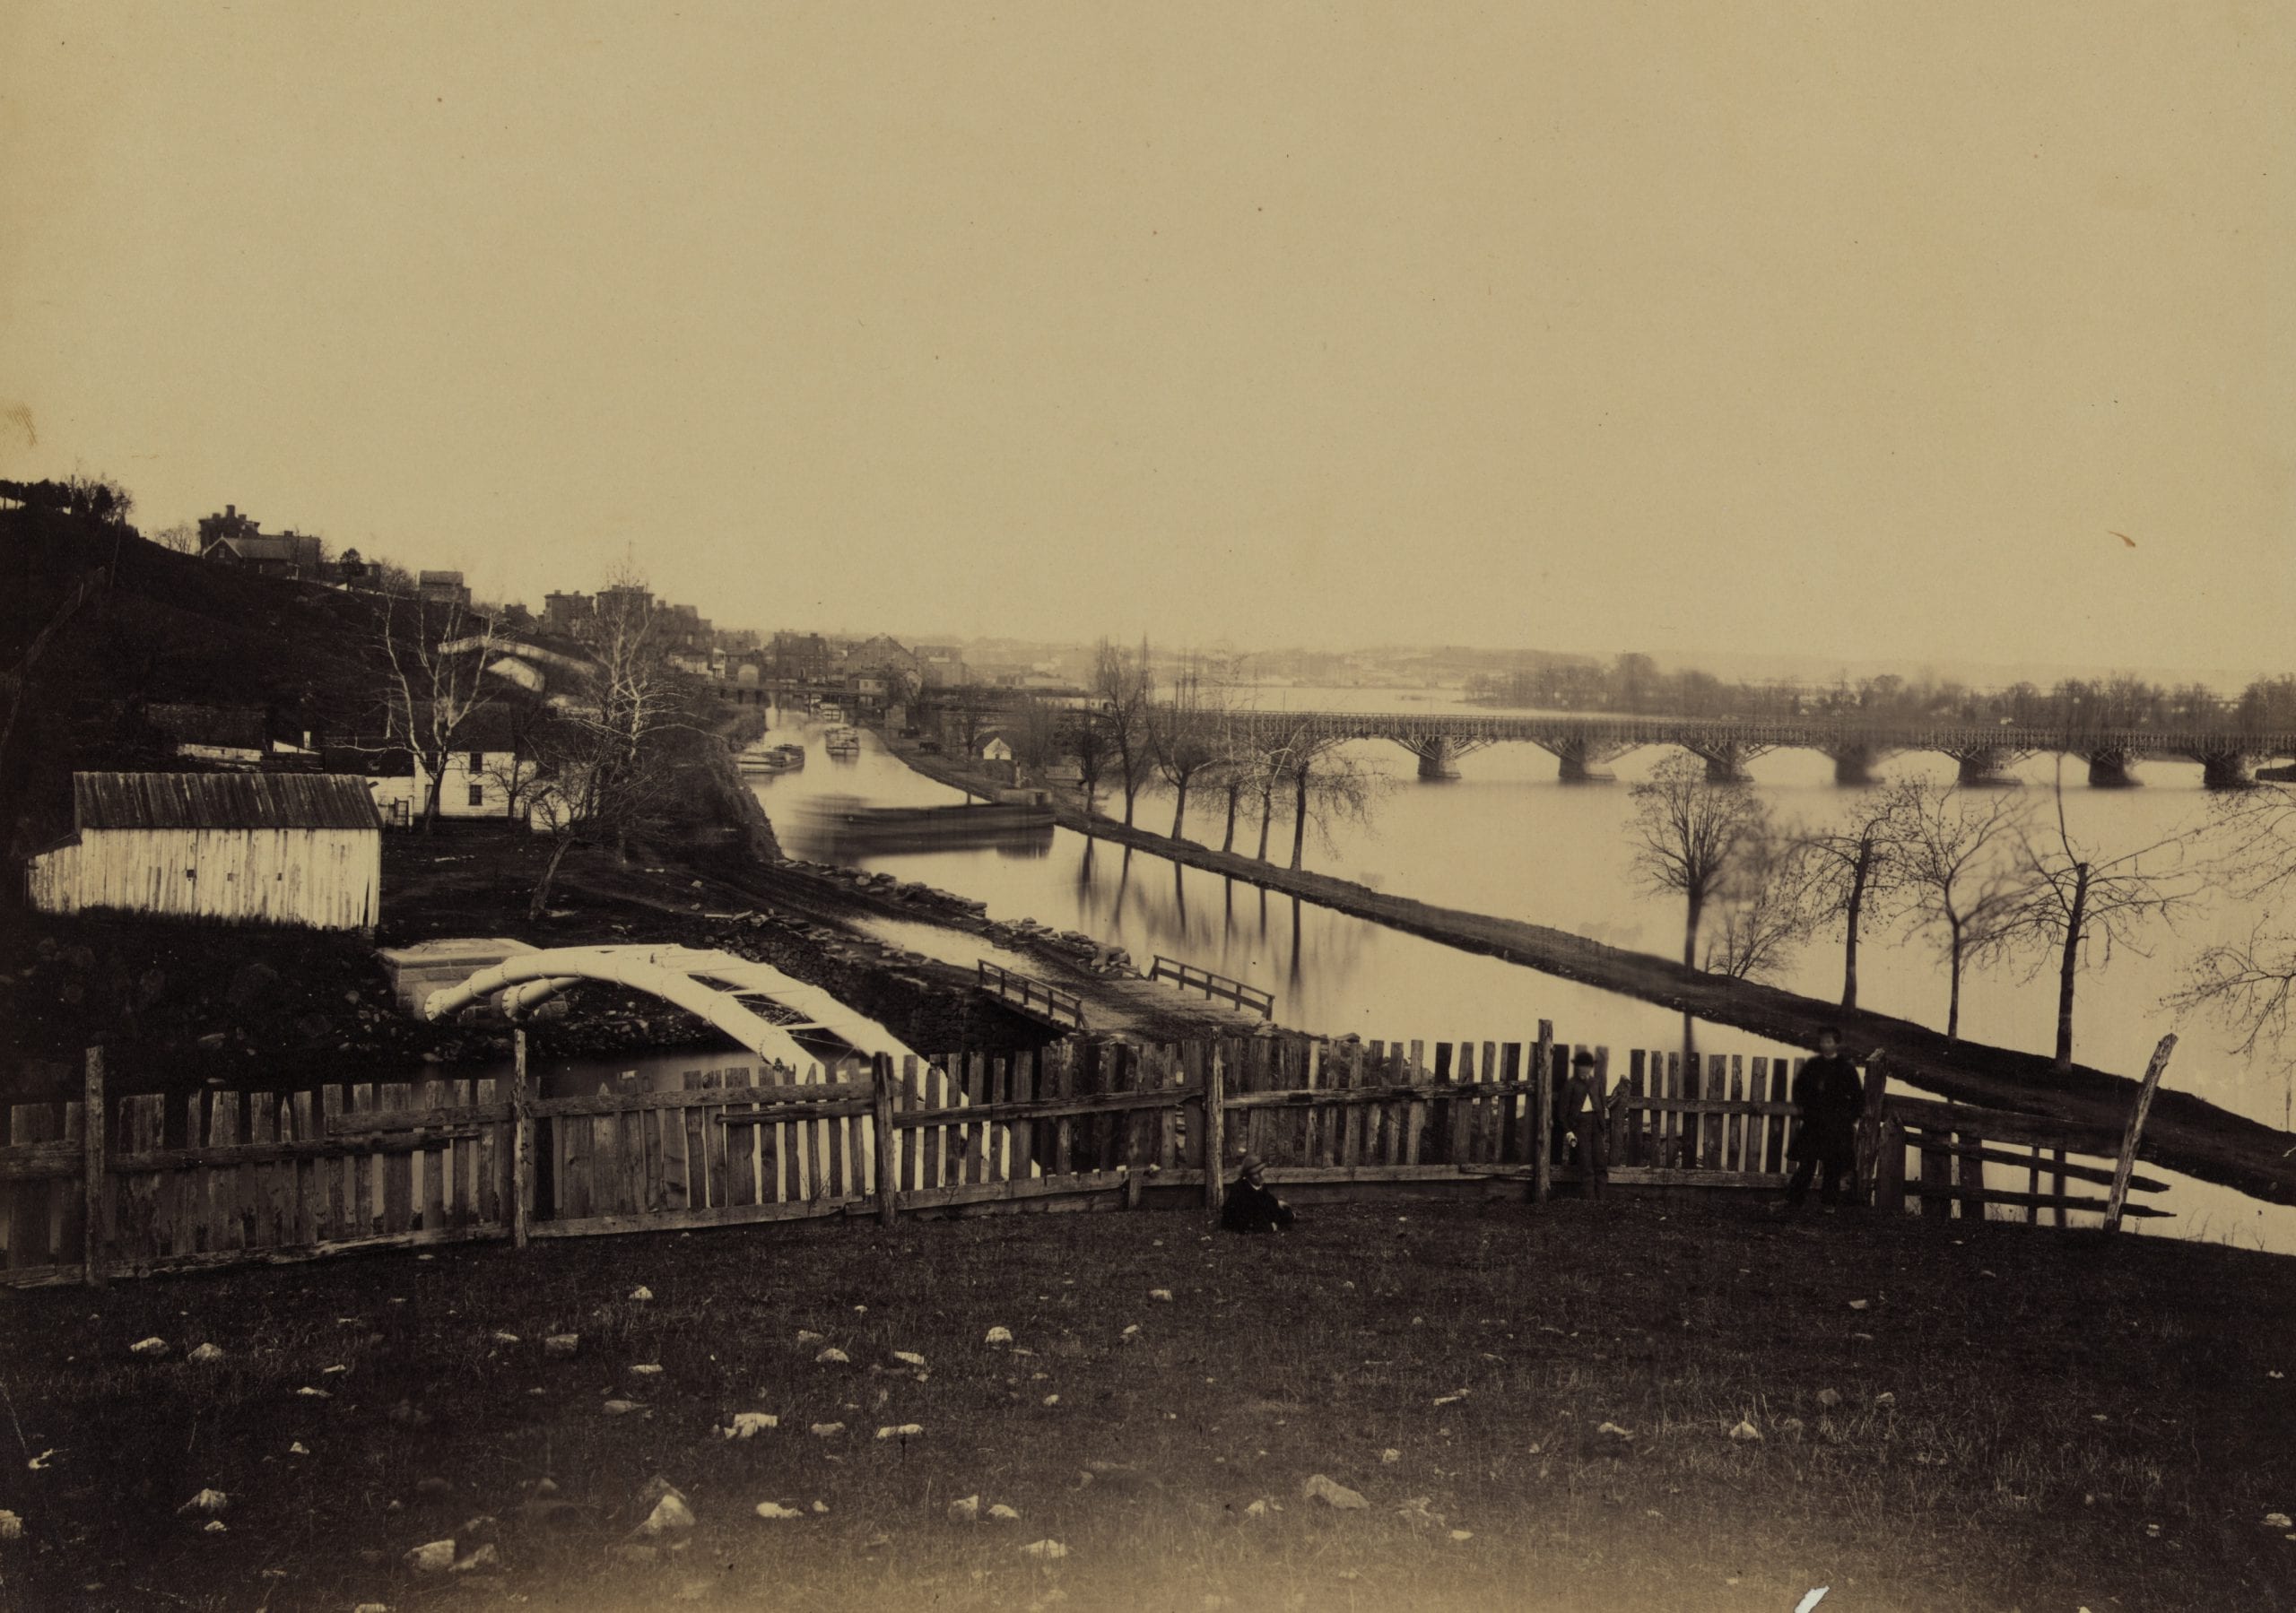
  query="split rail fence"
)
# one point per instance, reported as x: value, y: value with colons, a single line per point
x: 218, y: 1178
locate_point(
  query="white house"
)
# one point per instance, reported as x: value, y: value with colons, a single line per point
x: 485, y: 774
x: 259, y: 848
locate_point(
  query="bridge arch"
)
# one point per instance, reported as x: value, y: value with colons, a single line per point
x: 732, y: 994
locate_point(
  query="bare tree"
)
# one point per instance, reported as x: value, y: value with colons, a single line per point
x: 1125, y: 687
x: 1960, y: 878
x: 1089, y: 749
x: 1330, y: 786
x: 2248, y: 984
x: 1687, y: 829
x: 183, y: 538
x: 2079, y: 906
x: 98, y: 497
x: 1764, y: 903
x: 1853, y: 865
x: 601, y: 755
x: 1183, y: 737
x: 1033, y: 731
x: 519, y: 770
x: 433, y: 676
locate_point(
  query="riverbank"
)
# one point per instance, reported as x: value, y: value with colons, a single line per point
x: 1981, y: 1431
x: 2184, y: 1132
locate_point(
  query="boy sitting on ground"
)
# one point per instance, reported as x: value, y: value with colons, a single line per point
x: 1249, y: 1207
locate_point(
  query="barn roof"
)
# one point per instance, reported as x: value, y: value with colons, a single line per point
x: 117, y: 800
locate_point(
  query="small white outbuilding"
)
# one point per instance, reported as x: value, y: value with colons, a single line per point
x: 260, y: 848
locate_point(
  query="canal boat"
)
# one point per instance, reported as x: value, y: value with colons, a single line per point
x: 771, y: 758
x: 843, y: 742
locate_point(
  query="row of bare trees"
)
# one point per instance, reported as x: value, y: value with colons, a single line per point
x: 587, y: 763
x: 1134, y: 732
x: 1981, y: 874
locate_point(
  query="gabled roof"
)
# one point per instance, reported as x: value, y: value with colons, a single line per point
x: 129, y: 800
x: 294, y: 549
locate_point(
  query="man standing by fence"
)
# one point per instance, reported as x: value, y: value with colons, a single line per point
x: 1828, y: 1093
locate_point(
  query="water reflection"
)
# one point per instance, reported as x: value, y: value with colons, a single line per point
x: 1507, y: 838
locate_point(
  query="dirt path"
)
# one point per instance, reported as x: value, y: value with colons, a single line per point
x: 2184, y: 1133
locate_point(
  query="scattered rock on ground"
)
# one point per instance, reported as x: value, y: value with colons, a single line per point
x: 205, y: 1354
x: 1333, y: 1494
x: 436, y: 1557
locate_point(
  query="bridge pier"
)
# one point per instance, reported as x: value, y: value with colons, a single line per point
x: 2111, y: 769
x: 1981, y: 765
x: 2223, y: 769
x: 1726, y: 759
x: 1438, y: 758
x: 1582, y: 756
x: 1854, y: 764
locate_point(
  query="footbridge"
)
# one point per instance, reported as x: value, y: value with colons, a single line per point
x: 1582, y: 745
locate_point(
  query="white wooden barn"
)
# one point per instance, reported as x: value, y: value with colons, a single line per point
x: 264, y: 848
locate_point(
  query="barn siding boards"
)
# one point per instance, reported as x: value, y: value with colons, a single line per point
x: 245, y: 848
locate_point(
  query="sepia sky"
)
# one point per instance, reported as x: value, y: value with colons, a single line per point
x: 1845, y: 329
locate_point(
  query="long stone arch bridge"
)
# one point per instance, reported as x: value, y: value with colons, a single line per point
x: 1583, y: 744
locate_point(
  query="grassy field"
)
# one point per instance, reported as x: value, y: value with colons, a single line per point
x: 2073, y: 1421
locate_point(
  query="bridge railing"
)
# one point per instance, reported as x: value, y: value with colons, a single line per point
x: 1188, y: 977
x: 1032, y: 996
x: 1770, y: 732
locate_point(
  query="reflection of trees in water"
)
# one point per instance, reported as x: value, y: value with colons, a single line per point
x: 1265, y: 939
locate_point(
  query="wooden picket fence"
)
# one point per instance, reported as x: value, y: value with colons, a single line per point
x: 218, y: 1178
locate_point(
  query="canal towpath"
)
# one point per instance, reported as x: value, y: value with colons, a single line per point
x: 2184, y: 1132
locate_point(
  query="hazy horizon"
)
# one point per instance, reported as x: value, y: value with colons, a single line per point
x: 1940, y: 335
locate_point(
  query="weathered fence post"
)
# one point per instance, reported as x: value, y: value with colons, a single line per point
x: 522, y: 1140
x: 2128, y: 1160
x: 1869, y: 1128
x: 1215, y: 1127
x: 1593, y: 1165
x: 95, y: 1172
x: 1889, y: 1168
x: 1542, y: 1115
x: 880, y: 1099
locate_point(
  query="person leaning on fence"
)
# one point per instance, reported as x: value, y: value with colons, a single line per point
x: 1828, y: 1093
x: 1249, y: 1207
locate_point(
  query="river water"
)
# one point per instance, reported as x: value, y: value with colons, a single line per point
x: 1508, y: 837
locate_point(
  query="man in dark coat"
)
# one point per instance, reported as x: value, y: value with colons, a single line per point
x: 1828, y: 1093
x: 1249, y: 1207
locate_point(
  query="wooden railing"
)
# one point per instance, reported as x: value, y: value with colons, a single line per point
x: 1190, y: 978
x: 1950, y: 1144
x: 143, y: 1184
x: 1033, y: 996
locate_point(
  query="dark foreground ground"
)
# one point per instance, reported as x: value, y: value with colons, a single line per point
x: 2077, y: 1420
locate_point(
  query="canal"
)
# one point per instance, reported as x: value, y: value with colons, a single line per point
x: 1507, y: 837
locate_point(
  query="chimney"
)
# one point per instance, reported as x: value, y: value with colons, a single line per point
x: 231, y: 511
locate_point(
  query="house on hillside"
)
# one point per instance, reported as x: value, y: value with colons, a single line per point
x: 486, y: 774
x: 287, y: 554
x: 993, y: 746
x: 442, y: 588
x: 249, y: 848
